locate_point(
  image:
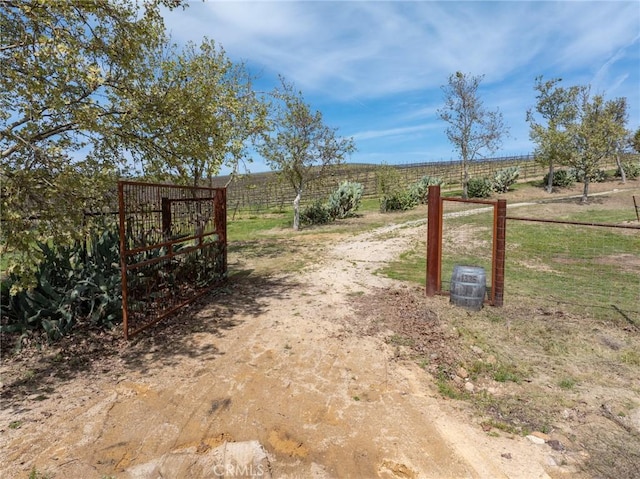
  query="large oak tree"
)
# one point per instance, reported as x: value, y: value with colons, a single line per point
x: 88, y: 89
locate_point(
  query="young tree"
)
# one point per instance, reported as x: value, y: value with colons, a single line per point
x: 558, y: 108
x: 618, y: 116
x: 300, y: 146
x: 596, y: 134
x: 472, y: 129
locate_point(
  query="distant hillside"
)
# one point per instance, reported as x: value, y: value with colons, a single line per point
x: 261, y: 191
x: 258, y: 191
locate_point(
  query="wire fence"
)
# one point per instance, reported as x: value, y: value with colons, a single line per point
x: 589, y: 267
x: 263, y: 191
x: 593, y: 265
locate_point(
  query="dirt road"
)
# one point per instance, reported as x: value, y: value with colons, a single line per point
x: 265, y: 380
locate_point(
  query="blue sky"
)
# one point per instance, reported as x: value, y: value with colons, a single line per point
x: 375, y: 68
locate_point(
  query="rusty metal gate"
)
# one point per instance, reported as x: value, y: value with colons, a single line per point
x: 173, y: 246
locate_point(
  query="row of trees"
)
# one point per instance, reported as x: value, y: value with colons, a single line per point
x: 95, y: 91
x: 569, y: 126
x: 572, y: 127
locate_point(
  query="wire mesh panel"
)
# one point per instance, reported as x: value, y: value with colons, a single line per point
x: 595, y: 267
x: 173, y: 248
x: 470, y: 238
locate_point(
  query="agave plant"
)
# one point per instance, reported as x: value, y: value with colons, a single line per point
x: 73, y: 283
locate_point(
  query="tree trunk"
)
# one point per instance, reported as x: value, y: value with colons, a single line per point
x: 465, y: 180
x: 585, y: 189
x: 550, y: 180
x: 623, y: 176
x: 296, y: 211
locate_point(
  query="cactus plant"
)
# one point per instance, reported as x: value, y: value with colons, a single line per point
x: 504, y: 178
x: 345, y: 200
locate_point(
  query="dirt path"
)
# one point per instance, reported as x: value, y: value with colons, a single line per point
x: 266, y: 381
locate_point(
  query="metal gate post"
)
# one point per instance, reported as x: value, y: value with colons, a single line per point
x: 123, y: 260
x: 434, y: 240
x: 499, y: 235
x: 220, y: 220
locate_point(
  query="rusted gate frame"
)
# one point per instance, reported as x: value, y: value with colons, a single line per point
x: 216, y: 195
x: 434, y: 244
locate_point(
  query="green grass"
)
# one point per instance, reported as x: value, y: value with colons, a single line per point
x: 411, y: 266
x: 247, y: 228
x: 574, y: 264
x: 567, y: 383
x: 602, y: 216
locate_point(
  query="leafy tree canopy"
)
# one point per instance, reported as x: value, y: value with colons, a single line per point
x: 90, y: 88
x: 63, y: 66
x: 635, y: 141
x: 196, y: 111
x: 472, y: 128
x: 597, y: 134
x: 558, y: 108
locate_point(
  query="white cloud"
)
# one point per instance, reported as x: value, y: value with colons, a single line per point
x: 366, y: 49
x: 376, y: 134
x: 377, y: 66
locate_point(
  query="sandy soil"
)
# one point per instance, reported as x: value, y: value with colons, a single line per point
x: 269, y: 378
x: 270, y: 365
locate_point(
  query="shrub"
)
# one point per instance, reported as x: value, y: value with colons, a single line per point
x: 345, y: 200
x: 73, y: 283
x: 316, y: 213
x: 406, y: 199
x: 342, y: 203
x: 597, y: 176
x: 399, y: 201
x: 503, y: 179
x: 479, y: 188
x: 421, y: 188
x: 631, y: 169
x: 561, y: 178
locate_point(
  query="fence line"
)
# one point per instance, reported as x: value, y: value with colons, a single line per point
x: 594, y: 265
x: 262, y: 191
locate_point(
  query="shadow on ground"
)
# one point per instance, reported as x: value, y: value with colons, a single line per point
x: 33, y: 375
